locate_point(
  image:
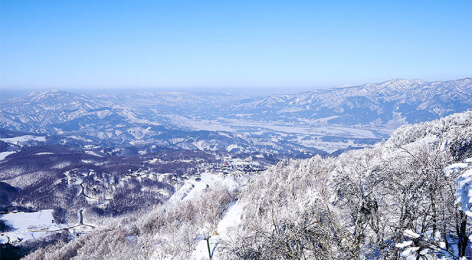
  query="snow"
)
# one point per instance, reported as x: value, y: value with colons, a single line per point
x: 201, y: 252
x: 192, y: 187
x: 404, y: 244
x: 307, y: 129
x: 411, y: 233
x: 93, y: 153
x: 196, y: 124
x: 232, y: 218
x: 455, y: 168
x: 463, y: 184
x: 23, y: 139
x: 229, y: 148
x: 3, y: 155
x: 28, y: 225
x: 44, y: 153
x: 464, y: 192
x: 410, y: 252
x: 61, y: 165
x: 131, y: 117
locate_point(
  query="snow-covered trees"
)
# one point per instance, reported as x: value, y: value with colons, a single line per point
x: 365, y: 203
x: 395, y: 200
x: 169, y: 231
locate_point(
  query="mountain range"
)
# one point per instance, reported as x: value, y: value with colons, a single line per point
x: 411, y: 101
x: 308, y: 122
x: 183, y: 167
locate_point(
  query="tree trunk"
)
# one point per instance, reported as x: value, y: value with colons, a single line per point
x: 462, y: 234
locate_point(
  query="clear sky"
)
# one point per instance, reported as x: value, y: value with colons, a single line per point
x: 231, y: 43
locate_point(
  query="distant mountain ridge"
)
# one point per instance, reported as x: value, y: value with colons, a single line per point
x: 40, y: 109
x: 116, y: 121
x: 327, y: 119
x: 379, y: 104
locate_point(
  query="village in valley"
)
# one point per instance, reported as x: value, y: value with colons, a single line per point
x: 223, y: 165
x: 97, y: 188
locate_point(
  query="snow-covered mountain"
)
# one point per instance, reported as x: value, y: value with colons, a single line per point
x: 395, y: 200
x: 56, y: 111
x: 329, y: 120
x: 45, y: 108
x: 392, y: 102
x: 154, y: 105
x: 97, y: 158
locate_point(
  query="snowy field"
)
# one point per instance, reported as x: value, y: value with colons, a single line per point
x: 305, y: 133
x: 23, y: 139
x: 28, y: 226
x: 3, y: 155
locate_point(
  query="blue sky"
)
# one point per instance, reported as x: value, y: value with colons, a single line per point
x: 231, y: 44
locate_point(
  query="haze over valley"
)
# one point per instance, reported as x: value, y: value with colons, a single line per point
x: 235, y: 130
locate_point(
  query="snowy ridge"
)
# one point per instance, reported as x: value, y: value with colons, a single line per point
x: 373, y: 101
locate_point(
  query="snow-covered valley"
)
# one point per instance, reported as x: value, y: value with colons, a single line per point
x: 324, y: 206
x: 289, y: 176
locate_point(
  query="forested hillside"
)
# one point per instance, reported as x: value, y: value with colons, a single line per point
x: 406, y: 197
